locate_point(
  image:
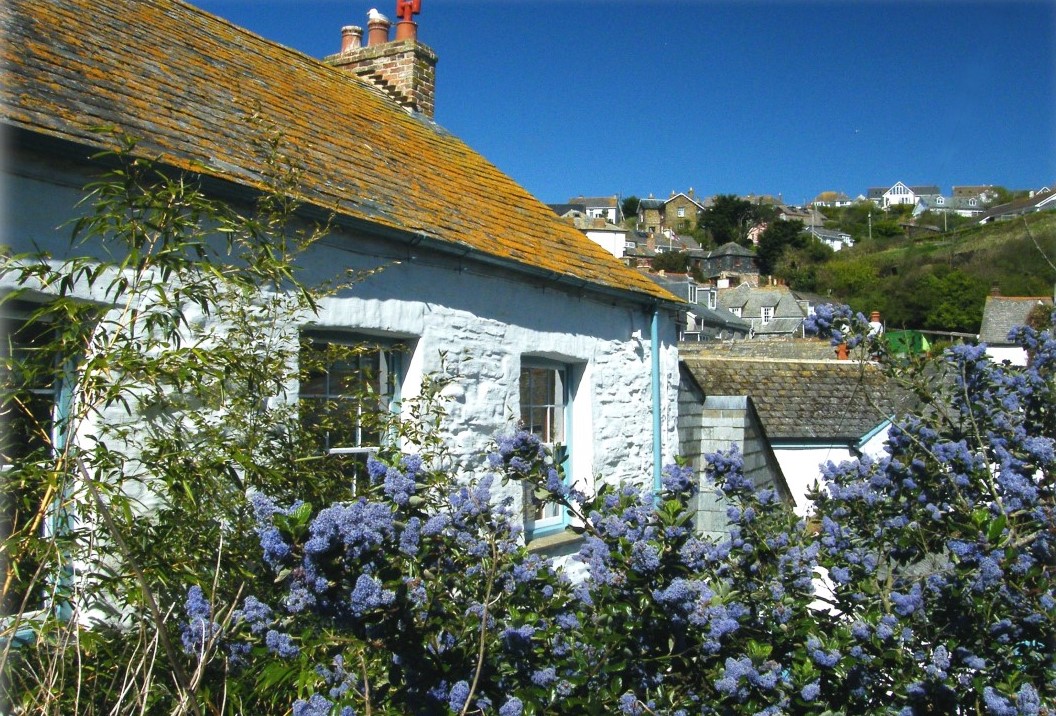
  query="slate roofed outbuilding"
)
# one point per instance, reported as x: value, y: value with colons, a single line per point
x: 1003, y: 313
x: 804, y: 399
x: 183, y: 82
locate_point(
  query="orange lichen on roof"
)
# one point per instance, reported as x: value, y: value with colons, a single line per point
x: 183, y: 82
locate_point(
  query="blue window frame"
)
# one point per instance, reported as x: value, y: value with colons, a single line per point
x: 35, y: 403
x: 546, y: 413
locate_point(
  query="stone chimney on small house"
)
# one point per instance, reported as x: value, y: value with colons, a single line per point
x: 402, y: 69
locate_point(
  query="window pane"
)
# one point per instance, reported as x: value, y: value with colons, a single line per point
x: 346, y: 399
x: 29, y: 380
x: 543, y: 413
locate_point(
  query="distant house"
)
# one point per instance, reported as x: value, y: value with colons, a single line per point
x: 787, y: 416
x: 772, y: 311
x: 983, y: 192
x: 729, y: 265
x: 899, y: 194
x: 1000, y: 315
x: 706, y: 320
x: 1039, y: 201
x: 961, y: 205
x: 832, y: 238
x: 569, y: 211
x: 600, y: 207
x: 609, y: 236
x: 682, y: 211
x: 809, y: 216
x: 650, y: 214
x: 641, y: 247
x: 832, y: 199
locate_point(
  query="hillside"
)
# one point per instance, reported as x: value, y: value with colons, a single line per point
x: 941, y: 283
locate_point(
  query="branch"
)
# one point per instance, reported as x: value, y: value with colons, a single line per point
x: 159, y: 620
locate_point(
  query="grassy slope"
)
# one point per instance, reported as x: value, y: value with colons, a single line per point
x: 902, y: 276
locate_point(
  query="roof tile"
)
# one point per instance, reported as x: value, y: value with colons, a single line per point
x: 184, y: 82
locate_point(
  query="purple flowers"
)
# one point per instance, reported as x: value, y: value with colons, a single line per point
x: 199, y: 629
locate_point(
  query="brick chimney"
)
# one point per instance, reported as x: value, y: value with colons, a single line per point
x: 403, y: 69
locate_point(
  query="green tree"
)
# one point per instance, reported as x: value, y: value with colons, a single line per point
x: 728, y: 219
x: 629, y: 206
x: 778, y: 236
x: 673, y: 261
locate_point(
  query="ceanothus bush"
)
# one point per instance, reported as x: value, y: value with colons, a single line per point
x: 921, y: 582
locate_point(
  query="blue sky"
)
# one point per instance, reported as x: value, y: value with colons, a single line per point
x: 754, y: 96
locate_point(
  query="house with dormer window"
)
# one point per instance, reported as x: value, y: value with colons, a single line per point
x: 544, y: 322
x: 770, y: 311
x: 899, y: 194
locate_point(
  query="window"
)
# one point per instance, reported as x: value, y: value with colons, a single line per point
x: 736, y: 310
x: 681, y: 212
x: 545, y: 414
x: 348, y: 395
x: 692, y: 292
x: 34, y: 407
x: 712, y: 299
x: 768, y: 314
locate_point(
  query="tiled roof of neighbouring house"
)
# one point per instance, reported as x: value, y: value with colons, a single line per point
x: 183, y: 83
x: 804, y: 399
x: 1003, y: 313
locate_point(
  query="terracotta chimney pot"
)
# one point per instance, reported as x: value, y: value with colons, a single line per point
x: 377, y: 28
x: 406, y: 30
x: 351, y: 38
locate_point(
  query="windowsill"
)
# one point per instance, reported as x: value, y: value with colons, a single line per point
x: 557, y: 543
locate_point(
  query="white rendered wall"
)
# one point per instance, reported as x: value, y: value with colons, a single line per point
x: 1013, y: 354
x: 801, y: 465
x: 476, y: 321
x: 615, y: 242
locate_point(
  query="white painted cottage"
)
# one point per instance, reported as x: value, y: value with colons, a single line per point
x: 476, y: 268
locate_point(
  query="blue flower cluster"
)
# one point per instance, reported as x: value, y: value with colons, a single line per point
x: 199, y: 629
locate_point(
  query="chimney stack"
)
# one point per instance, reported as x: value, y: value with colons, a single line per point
x: 403, y: 70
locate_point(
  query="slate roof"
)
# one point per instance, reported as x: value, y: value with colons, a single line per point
x: 609, y: 202
x: 808, y: 400
x: 827, y: 234
x: 720, y: 319
x: 788, y: 313
x: 1003, y: 313
x: 1041, y: 200
x: 183, y: 81
x: 565, y: 209
x: 730, y: 248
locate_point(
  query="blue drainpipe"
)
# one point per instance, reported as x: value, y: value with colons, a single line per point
x: 657, y: 442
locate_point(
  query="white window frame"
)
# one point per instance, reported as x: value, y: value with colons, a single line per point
x: 550, y: 419
x: 386, y: 357
x: 767, y: 314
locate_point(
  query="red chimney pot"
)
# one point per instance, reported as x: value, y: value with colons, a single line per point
x: 351, y: 38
